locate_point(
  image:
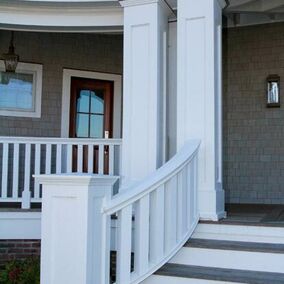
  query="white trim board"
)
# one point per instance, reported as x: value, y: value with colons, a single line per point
x: 20, y: 225
x: 117, y: 97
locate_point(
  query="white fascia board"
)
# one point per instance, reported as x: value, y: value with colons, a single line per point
x: 53, y: 16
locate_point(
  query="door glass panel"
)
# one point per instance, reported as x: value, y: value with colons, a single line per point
x: 83, y: 101
x: 82, y: 125
x: 97, y: 102
x: 96, y: 126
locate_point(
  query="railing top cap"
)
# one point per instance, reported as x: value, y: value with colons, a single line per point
x: 76, y: 179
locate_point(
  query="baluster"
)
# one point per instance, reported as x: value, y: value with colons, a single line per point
x: 111, y: 160
x: 58, y: 158
x: 48, y: 159
x: 101, y: 159
x: 90, y: 159
x: 37, y: 169
x: 26, y: 195
x: 80, y: 159
x: 170, y: 213
x: 69, y: 157
x: 15, y: 190
x: 195, y: 189
x: 157, y: 229
x: 141, y: 252
x: 189, y: 195
x: 5, y: 170
x: 180, y: 206
x: 185, y: 204
x: 124, y: 245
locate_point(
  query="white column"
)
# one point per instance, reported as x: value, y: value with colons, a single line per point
x: 145, y: 45
x: 199, y: 96
x: 75, y: 233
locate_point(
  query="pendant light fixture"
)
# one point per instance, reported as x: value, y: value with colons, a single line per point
x: 11, y: 59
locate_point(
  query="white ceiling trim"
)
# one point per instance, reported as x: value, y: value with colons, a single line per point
x: 45, y: 16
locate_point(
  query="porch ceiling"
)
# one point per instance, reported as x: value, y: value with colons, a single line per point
x: 259, y: 6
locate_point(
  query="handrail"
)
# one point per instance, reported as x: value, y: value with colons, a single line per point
x: 155, y: 216
x: 59, y: 140
x: 135, y: 192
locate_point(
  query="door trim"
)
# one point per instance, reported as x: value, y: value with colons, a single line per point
x: 117, y: 97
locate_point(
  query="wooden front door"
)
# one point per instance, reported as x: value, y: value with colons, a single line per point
x: 91, y: 109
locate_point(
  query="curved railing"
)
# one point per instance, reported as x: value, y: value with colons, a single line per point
x: 155, y: 217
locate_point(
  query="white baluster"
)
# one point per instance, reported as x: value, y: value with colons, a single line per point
x: 15, y: 190
x: 90, y: 159
x: 124, y: 245
x: 48, y: 159
x: 141, y: 252
x: 170, y: 213
x: 111, y: 160
x: 26, y: 195
x: 180, y: 205
x: 58, y: 158
x: 101, y: 158
x: 69, y: 158
x: 5, y: 170
x: 157, y: 228
x: 80, y: 159
x: 37, y: 169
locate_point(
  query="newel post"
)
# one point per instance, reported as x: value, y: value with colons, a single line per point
x: 75, y: 232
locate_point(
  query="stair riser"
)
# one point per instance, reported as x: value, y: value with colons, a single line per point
x: 267, y: 262
x: 156, y: 279
x: 259, y: 234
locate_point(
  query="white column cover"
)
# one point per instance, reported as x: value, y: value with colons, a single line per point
x: 199, y: 101
x: 145, y: 42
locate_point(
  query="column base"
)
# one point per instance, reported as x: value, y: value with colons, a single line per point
x: 212, y: 205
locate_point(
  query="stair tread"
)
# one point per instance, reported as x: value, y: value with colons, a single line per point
x: 220, y: 274
x: 235, y: 245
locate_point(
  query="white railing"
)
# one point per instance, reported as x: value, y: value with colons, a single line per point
x: 141, y: 227
x: 165, y: 212
x: 22, y: 157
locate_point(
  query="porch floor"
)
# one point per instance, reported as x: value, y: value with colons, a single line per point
x: 254, y: 214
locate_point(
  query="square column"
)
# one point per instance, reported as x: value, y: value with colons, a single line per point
x: 199, y: 96
x: 145, y: 45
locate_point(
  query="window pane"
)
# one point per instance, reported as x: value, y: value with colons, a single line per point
x: 82, y: 125
x: 16, y: 91
x: 97, y: 102
x: 83, y: 101
x: 97, y: 126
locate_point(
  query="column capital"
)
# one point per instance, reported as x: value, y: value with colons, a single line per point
x: 130, y: 3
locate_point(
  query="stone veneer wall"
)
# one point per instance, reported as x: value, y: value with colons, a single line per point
x: 18, y: 250
x: 253, y: 133
x: 94, y: 52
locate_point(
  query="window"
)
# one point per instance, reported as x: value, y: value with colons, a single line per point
x: 20, y: 92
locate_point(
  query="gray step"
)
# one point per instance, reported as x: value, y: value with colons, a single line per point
x: 235, y: 245
x: 220, y: 274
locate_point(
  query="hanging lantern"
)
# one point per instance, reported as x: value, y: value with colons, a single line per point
x: 11, y: 59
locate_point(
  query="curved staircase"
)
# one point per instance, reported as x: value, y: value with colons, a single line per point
x: 226, y: 253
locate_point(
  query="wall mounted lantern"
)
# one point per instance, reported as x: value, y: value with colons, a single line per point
x: 11, y: 59
x: 273, y: 91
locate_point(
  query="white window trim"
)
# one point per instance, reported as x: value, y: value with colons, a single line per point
x: 117, y: 97
x: 36, y: 70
